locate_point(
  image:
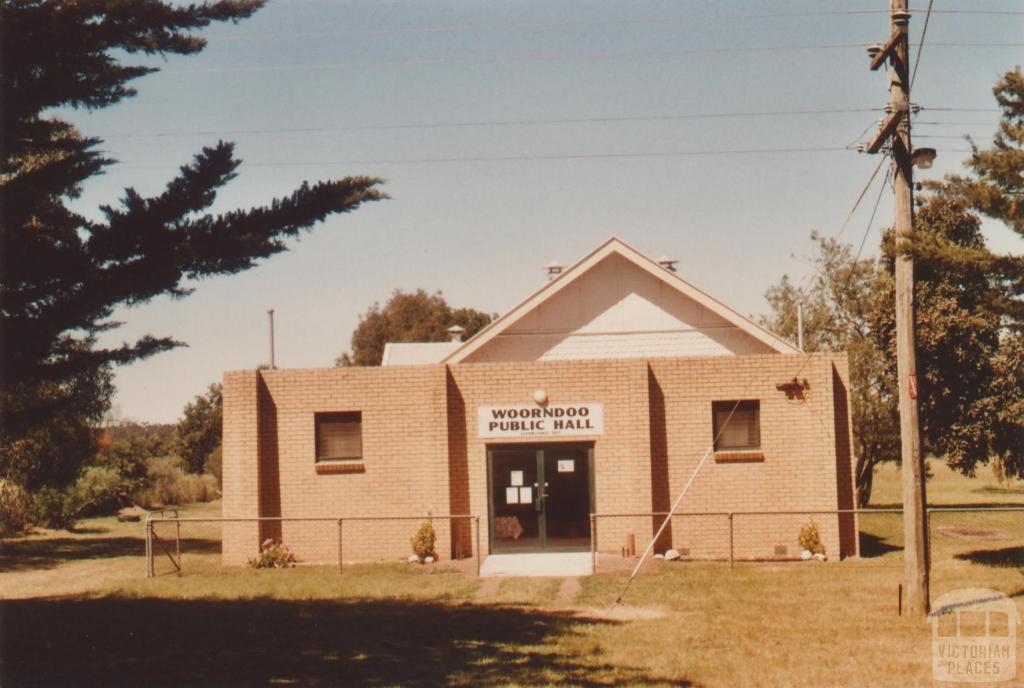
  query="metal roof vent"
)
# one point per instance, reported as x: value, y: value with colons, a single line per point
x: 554, y: 269
x: 456, y: 332
x: 668, y: 263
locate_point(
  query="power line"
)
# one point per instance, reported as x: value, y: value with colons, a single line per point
x: 955, y: 109
x: 515, y: 26
x: 846, y: 221
x: 988, y: 125
x: 924, y: 32
x: 860, y: 197
x: 530, y: 26
x: 496, y: 123
x: 550, y: 57
x: 529, y: 158
x: 940, y: 136
x: 534, y: 122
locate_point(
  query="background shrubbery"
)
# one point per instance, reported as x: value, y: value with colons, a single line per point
x: 16, y: 510
x: 132, y: 464
x: 169, y: 483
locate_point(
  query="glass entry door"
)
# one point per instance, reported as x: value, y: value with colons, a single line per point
x: 540, y: 497
x: 515, y: 514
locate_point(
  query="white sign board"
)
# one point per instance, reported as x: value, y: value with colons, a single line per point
x: 530, y: 420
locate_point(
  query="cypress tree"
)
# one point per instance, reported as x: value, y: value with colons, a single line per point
x: 64, y: 275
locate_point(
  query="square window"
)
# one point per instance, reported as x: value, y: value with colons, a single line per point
x: 736, y: 425
x: 339, y: 437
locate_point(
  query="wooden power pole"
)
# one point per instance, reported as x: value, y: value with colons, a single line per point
x: 896, y: 129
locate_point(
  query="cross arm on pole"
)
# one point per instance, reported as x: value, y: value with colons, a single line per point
x: 887, y: 50
x: 889, y: 126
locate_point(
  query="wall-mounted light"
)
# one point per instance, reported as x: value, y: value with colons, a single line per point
x: 540, y: 396
x: 923, y: 157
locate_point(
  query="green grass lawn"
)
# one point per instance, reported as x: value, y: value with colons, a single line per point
x: 79, y: 611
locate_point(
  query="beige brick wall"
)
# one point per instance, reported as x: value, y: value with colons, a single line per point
x: 798, y: 441
x: 422, y: 454
x: 404, y: 428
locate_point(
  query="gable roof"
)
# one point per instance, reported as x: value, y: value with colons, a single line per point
x: 617, y: 246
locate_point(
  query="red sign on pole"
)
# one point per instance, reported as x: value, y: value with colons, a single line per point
x: 913, y: 386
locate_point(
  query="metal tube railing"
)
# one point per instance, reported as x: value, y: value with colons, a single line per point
x: 152, y: 520
x: 730, y: 515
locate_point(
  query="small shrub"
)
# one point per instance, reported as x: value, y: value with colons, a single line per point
x: 423, y: 542
x: 273, y: 555
x: 55, y: 508
x: 15, y: 508
x: 101, y: 490
x: 213, y: 463
x: 810, y: 539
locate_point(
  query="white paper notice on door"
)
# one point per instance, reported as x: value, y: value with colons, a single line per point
x: 511, y: 495
x: 525, y: 495
x: 567, y: 465
x: 516, y: 478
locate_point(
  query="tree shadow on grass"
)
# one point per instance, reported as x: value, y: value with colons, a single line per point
x: 118, y: 641
x: 1007, y: 557
x: 873, y: 546
x: 47, y: 553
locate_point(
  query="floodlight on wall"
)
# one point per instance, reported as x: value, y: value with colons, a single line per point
x: 923, y: 157
x: 541, y: 397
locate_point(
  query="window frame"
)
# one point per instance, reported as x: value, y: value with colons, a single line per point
x: 749, y: 452
x: 337, y: 417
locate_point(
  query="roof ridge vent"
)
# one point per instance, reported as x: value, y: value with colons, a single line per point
x: 554, y: 269
x: 668, y: 263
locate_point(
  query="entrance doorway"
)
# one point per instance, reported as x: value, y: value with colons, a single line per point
x: 541, y: 496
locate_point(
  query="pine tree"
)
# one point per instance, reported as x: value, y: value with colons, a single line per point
x: 64, y: 275
x: 958, y: 319
x: 995, y: 189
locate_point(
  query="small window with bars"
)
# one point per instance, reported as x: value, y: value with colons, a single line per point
x: 737, y: 425
x: 339, y: 437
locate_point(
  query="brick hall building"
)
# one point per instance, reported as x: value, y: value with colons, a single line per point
x: 599, y: 393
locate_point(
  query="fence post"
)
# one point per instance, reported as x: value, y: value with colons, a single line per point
x: 149, y: 548
x: 339, y: 546
x: 593, y: 543
x: 731, y: 558
x: 177, y: 542
x: 928, y: 533
x: 478, y: 553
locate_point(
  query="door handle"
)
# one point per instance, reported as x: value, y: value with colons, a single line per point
x: 542, y: 495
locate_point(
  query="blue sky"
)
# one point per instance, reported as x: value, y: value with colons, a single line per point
x: 480, y: 230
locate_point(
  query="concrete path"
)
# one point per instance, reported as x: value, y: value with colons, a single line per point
x: 550, y: 564
x: 488, y: 589
x: 568, y: 592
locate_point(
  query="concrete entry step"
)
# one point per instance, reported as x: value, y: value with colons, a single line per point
x: 560, y: 564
